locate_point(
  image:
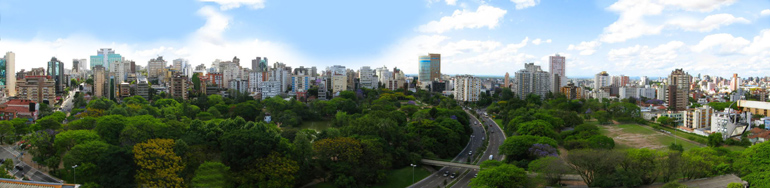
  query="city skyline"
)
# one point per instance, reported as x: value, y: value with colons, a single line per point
x: 635, y: 38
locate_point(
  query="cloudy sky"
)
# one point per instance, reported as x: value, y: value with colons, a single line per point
x: 631, y: 37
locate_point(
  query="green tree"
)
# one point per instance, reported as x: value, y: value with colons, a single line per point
x: 537, y: 128
x: 64, y: 141
x: 715, y: 140
x: 664, y: 120
x: 158, y: 165
x: 754, y: 164
x: 592, y: 165
x: 601, y: 142
x: 602, y: 116
x: 516, y: 148
x: 549, y: 168
x: 505, y: 175
x: 276, y: 171
x: 109, y: 128
x: 211, y: 174
x: 642, y: 164
x: 6, y: 130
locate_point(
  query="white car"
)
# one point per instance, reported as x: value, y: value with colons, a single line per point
x: 490, y: 157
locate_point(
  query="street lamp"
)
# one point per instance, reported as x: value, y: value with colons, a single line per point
x: 413, y: 165
x: 74, y: 174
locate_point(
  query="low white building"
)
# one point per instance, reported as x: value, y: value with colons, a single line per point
x: 270, y: 88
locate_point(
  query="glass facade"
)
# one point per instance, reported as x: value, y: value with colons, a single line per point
x: 2, y: 72
x: 424, y: 69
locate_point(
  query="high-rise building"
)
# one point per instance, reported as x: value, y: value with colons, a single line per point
x: 602, y: 79
x: 178, y: 87
x: 678, y: 90
x: 698, y: 118
x: 99, y: 80
x: 105, y: 57
x: 143, y: 88
x: 259, y: 64
x: 619, y: 81
x: 56, y: 71
x: 367, y: 78
x: 429, y: 69
x: 558, y: 72
x: 37, y: 89
x: 467, y: 88
x: 121, y: 70
x: 7, y: 74
x: 532, y: 80
x: 156, y: 69
x: 735, y: 82
x: 507, y: 83
x: 572, y: 91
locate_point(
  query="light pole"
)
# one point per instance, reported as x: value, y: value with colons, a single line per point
x: 413, y: 165
x: 74, y: 174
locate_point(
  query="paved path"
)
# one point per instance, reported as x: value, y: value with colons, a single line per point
x: 496, y: 138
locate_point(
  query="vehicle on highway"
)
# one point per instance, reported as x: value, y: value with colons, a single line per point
x: 490, y: 157
x: 470, y: 153
x: 474, y: 175
x: 446, y: 173
x: 453, y: 175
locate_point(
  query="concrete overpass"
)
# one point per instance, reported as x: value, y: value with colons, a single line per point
x: 569, y: 177
x: 449, y: 164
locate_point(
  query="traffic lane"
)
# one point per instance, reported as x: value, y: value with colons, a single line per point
x: 437, y: 178
x: 466, y: 179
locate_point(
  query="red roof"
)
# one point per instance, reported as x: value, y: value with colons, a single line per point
x: 17, y: 102
x: 757, y: 132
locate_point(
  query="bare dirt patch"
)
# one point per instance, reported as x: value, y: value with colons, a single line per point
x: 633, y: 140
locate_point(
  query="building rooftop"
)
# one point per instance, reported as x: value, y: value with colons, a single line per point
x: 12, y: 183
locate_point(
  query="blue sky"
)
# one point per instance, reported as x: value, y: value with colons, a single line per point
x: 630, y: 37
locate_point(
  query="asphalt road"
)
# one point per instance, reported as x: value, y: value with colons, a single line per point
x: 437, y: 178
x: 496, y: 138
x: 28, y: 171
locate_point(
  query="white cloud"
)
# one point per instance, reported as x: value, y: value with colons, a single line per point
x: 484, y: 16
x: 451, y: 2
x: 231, y: 4
x: 632, y: 24
x: 760, y: 44
x: 765, y: 12
x: 539, y: 41
x: 522, y: 4
x: 216, y: 24
x: 644, y: 58
x: 699, y: 5
x: 727, y: 43
x: 585, y: 48
x: 709, y: 23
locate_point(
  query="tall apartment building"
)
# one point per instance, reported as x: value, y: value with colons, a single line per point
x: 619, y: 81
x: 99, y: 80
x: 156, y: 69
x: 367, y: 78
x: 601, y: 79
x: 698, y: 117
x: 532, y: 80
x: 558, y: 72
x: 572, y: 91
x: 678, y: 90
x: 646, y: 92
x: 735, y: 82
x: 143, y: 87
x: 506, y: 82
x: 37, y: 89
x: 178, y: 64
x: 259, y: 64
x: 383, y: 74
x: 338, y: 75
x: 178, y: 87
x: 353, y: 82
x: 56, y: 71
x: 105, y: 57
x: 7, y: 74
x: 429, y: 69
x: 628, y: 92
x: 467, y: 88
x: 122, y: 69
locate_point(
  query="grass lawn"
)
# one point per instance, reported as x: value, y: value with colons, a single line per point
x: 499, y: 122
x: 395, y: 178
x: 316, y: 125
x: 735, y: 148
x: 637, y: 136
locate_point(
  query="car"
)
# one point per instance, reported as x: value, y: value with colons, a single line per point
x: 446, y: 173
x: 491, y: 157
x: 474, y: 175
x: 453, y: 175
x: 470, y: 153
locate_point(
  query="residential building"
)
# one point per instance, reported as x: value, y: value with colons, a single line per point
x: 100, y: 76
x: 282, y: 75
x: 532, y: 80
x: 506, y: 83
x: 627, y: 92
x: 37, y: 88
x: 56, y: 71
x: 179, y: 64
x: 301, y: 80
x: 125, y: 90
x: 271, y: 89
x: 467, y: 88
x: 429, y: 69
x: 698, y: 117
x: 662, y: 92
x: 178, y: 87
x: 122, y: 69
x: 619, y: 81
x: 105, y: 57
x: 438, y: 86
x: 678, y: 90
x: 7, y: 73
x: 239, y: 85
x: 368, y: 78
x: 143, y: 88
x: 394, y: 84
x: 156, y: 69
x: 558, y: 72
x: 338, y: 78
x: 646, y: 92
x: 383, y: 74
x: 735, y: 82
x: 259, y: 64
x: 572, y: 91
x: 215, y: 79
x: 602, y: 79
x: 353, y: 82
